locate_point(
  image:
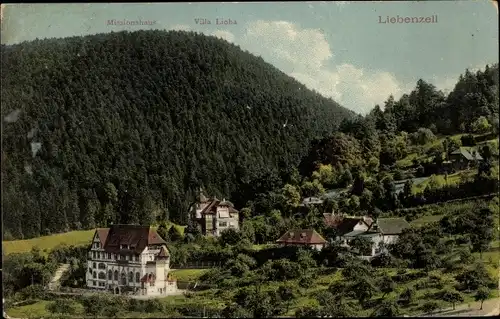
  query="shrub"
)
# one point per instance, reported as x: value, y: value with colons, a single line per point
x: 64, y: 306
x: 429, y: 306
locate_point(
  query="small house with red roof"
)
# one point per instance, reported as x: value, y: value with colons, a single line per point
x: 213, y: 216
x: 302, y: 237
x: 129, y: 258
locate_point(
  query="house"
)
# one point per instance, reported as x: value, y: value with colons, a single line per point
x: 310, y: 201
x: 462, y: 159
x: 383, y: 232
x: 345, y: 224
x: 129, y: 258
x: 302, y: 237
x: 213, y: 216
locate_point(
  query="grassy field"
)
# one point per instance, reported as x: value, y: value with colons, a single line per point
x: 453, y: 179
x: 39, y: 309
x: 427, y: 219
x: 47, y: 243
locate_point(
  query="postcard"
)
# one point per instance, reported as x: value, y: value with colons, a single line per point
x: 250, y: 159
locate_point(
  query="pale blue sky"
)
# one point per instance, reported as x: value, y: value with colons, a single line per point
x: 340, y: 49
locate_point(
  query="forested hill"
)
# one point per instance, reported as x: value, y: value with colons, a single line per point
x: 130, y: 124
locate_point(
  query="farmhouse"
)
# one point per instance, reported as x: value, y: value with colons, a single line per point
x: 213, y: 216
x: 129, y: 258
x: 302, y: 237
x: 381, y: 233
x: 463, y: 159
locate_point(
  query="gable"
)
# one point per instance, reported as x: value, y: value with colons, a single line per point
x: 96, y: 237
x: 361, y: 225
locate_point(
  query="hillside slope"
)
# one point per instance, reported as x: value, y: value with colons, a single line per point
x: 131, y: 124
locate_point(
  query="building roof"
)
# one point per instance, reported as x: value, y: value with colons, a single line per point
x: 348, y: 223
x: 311, y: 201
x: 332, y: 220
x: 135, y: 236
x: 102, y: 233
x: 468, y: 155
x: 390, y: 226
x: 211, y: 208
x: 301, y: 236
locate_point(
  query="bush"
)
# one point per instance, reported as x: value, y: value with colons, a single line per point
x: 429, y: 306
x: 306, y: 281
x: 64, y: 306
x: 32, y: 292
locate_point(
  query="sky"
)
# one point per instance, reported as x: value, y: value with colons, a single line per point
x: 341, y: 49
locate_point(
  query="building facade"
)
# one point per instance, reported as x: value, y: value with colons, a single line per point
x: 213, y: 216
x: 129, y: 259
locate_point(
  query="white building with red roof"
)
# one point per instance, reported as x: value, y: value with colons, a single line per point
x: 129, y: 258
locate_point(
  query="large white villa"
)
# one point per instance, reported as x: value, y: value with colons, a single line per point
x: 129, y: 259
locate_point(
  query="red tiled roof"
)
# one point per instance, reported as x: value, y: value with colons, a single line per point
x: 301, y: 236
x: 135, y: 236
x: 332, y: 220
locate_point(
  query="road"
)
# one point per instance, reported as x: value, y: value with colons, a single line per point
x: 491, y: 307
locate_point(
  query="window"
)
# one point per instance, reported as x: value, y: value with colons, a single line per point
x: 110, y: 275
x: 109, y: 255
x: 137, y: 277
x: 94, y: 283
x: 94, y: 275
x: 130, y: 277
x: 102, y: 266
x: 93, y: 255
x: 90, y: 270
x: 222, y: 224
x: 102, y: 275
x: 93, y: 265
x: 122, y: 257
x: 116, y: 275
x: 124, y: 278
x: 136, y: 257
x: 102, y: 284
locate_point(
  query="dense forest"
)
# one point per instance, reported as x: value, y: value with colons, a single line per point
x: 124, y: 127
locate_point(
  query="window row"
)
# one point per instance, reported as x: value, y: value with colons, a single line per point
x: 114, y: 276
x: 109, y: 256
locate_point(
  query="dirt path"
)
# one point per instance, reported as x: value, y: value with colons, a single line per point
x: 491, y: 307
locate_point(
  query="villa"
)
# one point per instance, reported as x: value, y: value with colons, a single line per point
x: 129, y: 258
